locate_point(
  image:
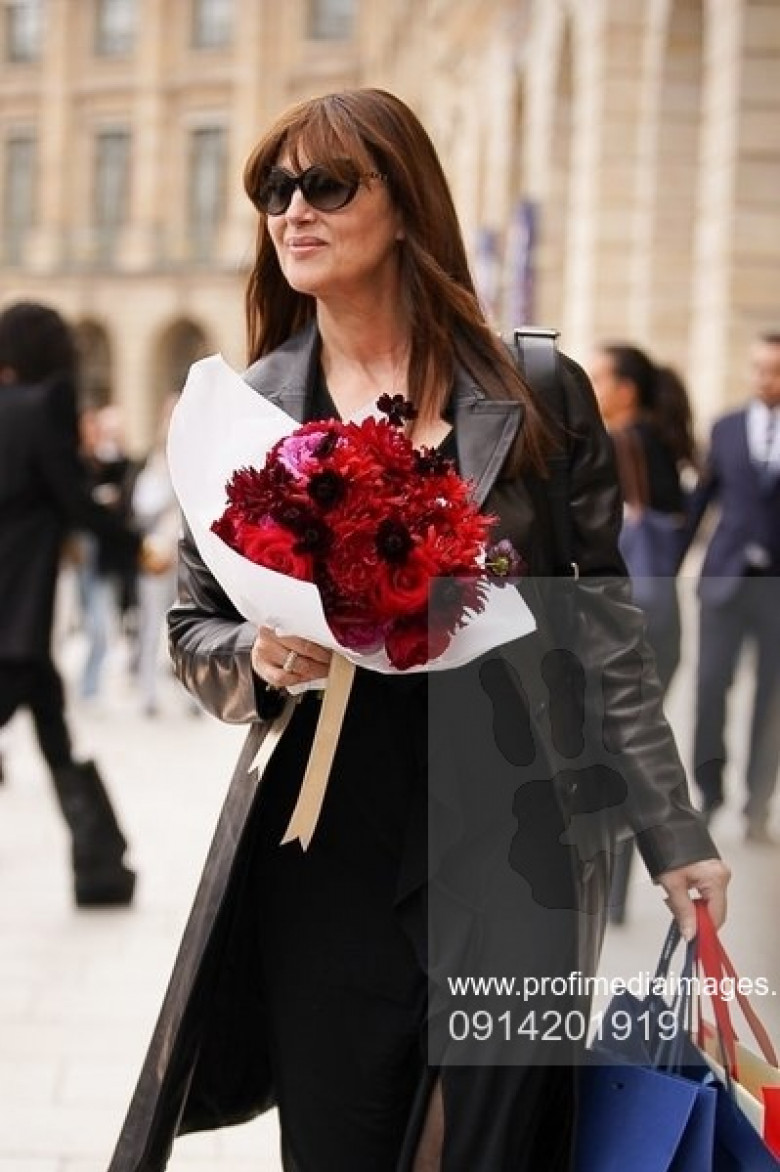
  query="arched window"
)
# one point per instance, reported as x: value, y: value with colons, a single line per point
x: 95, y: 363
x: 181, y: 344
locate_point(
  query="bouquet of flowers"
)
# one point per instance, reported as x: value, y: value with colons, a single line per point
x: 388, y: 534
x: 351, y: 595
x: 340, y: 533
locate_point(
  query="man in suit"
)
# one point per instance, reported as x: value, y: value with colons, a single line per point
x: 42, y: 495
x: 738, y: 590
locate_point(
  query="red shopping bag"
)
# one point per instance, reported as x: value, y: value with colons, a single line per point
x: 754, y: 1078
x: 772, y: 1119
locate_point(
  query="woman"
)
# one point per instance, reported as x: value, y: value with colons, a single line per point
x: 648, y: 415
x: 303, y: 979
x: 155, y: 511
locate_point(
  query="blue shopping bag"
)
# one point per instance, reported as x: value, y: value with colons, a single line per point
x: 649, y: 1102
x: 637, y: 1119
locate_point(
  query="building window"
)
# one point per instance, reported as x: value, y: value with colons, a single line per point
x: 23, y: 29
x: 331, y: 20
x: 212, y: 23
x: 115, y: 28
x: 111, y: 193
x: 208, y: 158
x: 18, y: 195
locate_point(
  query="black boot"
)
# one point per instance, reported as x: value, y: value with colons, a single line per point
x: 100, y: 877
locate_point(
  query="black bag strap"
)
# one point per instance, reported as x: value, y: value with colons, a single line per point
x: 537, y: 355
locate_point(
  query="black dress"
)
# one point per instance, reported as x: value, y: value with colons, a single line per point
x: 345, y: 986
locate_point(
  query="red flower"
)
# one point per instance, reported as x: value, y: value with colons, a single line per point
x: 352, y: 565
x: 274, y: 547
x: 356, y: 633
x: 402, y: 589
x: 411, y: 642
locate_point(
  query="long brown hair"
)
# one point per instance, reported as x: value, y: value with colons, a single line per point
x: 662, y: 398
x: 377, y: 131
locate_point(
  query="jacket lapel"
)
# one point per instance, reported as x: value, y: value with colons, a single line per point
x: 286, y: 376
x: 485, y: 429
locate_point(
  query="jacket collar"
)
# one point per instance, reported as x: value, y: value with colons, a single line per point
x: 485, y: 429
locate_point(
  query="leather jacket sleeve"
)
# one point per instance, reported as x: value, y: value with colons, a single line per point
x: 669, y: 833
x: 211, y: 644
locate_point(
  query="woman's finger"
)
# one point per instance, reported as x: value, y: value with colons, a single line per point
x: 306, y: 648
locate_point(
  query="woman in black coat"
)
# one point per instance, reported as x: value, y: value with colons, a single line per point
x: 451, y: 842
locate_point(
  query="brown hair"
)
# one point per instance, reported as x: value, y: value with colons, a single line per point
x: 661, y: 395
x: 377, y: 131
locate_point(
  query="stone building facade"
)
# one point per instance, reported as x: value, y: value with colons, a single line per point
x: 616, y: 164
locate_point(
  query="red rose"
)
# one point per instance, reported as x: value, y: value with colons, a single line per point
x: 272, y: 546
x: 411, y: 642
x: 403, y: 589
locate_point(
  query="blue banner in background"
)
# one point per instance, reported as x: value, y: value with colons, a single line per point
x: 519, y: 258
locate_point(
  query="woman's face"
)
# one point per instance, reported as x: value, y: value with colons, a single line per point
x: 616, y: 396
x: 350, y: 254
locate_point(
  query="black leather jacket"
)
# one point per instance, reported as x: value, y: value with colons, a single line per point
x: 206, y: 1065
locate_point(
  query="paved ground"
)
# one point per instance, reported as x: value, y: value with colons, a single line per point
x: 79, y: 991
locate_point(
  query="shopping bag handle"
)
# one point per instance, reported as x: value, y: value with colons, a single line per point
x: 669, y: 1054
x: 715, y: 963
x: 670, y: 945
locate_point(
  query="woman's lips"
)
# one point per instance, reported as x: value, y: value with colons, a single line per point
x: 300, y: 244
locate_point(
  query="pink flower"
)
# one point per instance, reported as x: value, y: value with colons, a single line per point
x: 298, y: 453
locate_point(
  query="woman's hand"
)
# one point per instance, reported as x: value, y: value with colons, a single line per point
x: 710, y: 877
x: 287, y: 661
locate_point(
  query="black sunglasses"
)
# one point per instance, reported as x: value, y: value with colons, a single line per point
x: 319, y: 187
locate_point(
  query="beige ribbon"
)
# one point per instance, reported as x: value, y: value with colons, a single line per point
x: 272, y: 739
x: 326, y: 737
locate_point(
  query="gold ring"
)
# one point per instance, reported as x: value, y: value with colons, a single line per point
x: 289, y: 662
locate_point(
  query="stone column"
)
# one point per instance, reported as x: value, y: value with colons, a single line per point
x: 646, y: 178
x: 47, y: 244
x: 255, y: 75
x: 546, y: 149
x: 606, y: 150
x: 713, y: 245
x: 142, y: 241
x: 754, y: 277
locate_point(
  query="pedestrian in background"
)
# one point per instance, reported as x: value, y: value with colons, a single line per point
x: 648, y: 416
x: 106, y: 579
x: 43, y: 494
x: 738, y: 590
x: 155, y: 512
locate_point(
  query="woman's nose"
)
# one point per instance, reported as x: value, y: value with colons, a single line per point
x: 299, y: 209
